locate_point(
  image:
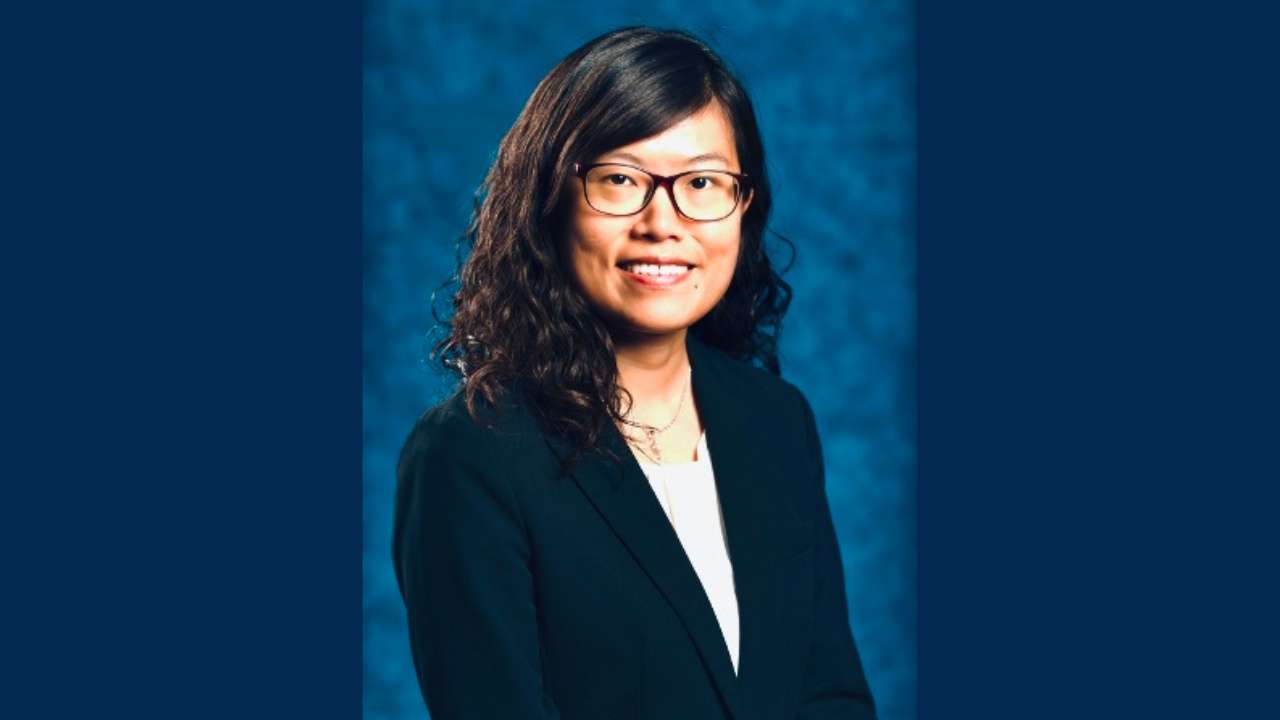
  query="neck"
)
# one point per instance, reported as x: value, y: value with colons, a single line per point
x: 653, y: 369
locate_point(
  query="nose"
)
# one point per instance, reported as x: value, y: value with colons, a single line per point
x: 659, y: 219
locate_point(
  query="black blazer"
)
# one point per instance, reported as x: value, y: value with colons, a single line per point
x: 533, y: 595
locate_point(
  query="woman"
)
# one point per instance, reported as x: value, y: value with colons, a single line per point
x: 618, y: 515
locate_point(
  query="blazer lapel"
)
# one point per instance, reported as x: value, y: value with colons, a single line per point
x: 627, y: 503
x: 760, y: 531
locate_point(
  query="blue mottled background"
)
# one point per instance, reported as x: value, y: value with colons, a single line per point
x: 834, y: 85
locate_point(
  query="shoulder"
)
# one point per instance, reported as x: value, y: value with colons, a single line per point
x: 461, y: 475
x: 450, y: 426
x: 449, y: 436
x: 753, y: 388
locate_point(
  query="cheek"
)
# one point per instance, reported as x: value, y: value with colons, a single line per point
x: 580, y: 250
x: 728, y: 254
x: 722, y: 260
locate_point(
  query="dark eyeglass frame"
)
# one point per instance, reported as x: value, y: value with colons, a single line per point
x: 666, y: 181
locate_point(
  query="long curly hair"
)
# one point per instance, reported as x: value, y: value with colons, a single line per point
x: 517, y: 324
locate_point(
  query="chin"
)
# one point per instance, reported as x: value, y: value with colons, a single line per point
x: 652, y: 328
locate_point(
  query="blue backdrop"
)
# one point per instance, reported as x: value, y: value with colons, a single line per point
x: 834, y: 85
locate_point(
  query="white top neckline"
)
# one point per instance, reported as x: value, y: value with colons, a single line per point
x: 687, y: 493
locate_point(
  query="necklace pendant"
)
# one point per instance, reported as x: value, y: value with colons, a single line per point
x: 653, y: 444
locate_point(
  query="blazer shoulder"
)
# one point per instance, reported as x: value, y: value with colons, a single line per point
x: 449, y: 430
x: 447, y: 423
x: 749, y: 381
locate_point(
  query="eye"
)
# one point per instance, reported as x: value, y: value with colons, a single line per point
x: 616, y: 179
x: 703, y: 182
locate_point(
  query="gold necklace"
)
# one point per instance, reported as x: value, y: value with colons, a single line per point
x: 654, y: 452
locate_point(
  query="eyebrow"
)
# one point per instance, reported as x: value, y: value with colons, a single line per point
x: 705, y: 157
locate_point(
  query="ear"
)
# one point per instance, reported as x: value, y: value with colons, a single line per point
x: 746, y: 201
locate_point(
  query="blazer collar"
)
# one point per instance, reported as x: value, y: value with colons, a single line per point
x: 626, y: 501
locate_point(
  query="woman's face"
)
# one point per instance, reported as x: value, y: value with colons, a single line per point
x: 656, y: 272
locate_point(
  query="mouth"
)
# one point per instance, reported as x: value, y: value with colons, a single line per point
x: 652, y: 269
x: 654, y: 272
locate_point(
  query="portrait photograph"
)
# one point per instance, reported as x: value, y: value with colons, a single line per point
x: 639, y: 360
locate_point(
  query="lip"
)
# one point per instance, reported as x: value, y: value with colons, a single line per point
x: 655, y: 260
x: 656, y: 281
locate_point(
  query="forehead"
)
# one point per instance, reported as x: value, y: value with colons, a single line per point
x: 704, y: 139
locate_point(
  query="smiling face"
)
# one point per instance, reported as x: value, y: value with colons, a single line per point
x: 656, y: 272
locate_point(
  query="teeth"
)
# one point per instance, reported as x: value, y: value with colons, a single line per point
x: 647, y: 269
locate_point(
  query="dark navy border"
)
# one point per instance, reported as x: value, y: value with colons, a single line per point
x: 1097, y: 324
x: 182, y: 251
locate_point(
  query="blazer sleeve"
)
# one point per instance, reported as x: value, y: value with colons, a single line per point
x: 462, y: 561
x: 834, y: 685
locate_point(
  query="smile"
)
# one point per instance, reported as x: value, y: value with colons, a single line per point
x: 655, y: 275
x: 654, y: 270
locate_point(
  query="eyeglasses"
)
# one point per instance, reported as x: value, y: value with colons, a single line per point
x: 702, y: 195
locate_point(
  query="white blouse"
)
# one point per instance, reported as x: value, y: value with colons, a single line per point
x: 687, y: 492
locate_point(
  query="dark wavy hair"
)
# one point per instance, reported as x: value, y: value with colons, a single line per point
x: 516, y: 322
